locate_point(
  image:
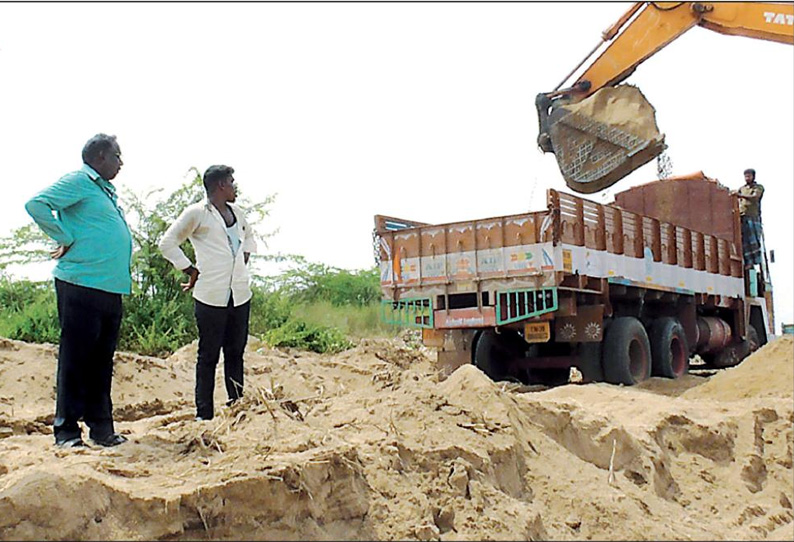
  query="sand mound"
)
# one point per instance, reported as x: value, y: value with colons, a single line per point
x: 368, y: 444
x: 767, y: 372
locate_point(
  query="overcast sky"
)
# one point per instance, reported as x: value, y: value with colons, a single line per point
x: 421, y: 111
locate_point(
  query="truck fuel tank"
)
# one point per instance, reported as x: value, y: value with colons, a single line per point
x: 714, y: 334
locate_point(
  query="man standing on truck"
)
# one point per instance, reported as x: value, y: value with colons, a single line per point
x: 223, y: 242
x: 750, y: 211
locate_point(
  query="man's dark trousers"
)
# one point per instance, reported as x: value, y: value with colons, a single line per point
x: 90, y: 321
x: 220, y: 328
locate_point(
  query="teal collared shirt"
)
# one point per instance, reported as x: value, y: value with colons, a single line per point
x: 81, y: 211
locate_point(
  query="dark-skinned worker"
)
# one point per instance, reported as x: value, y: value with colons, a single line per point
x: 82, y: 214
x: 223, y: 242
x: 750, y: 211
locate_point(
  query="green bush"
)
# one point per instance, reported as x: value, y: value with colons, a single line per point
x: 319, y: 307
x: 306, y: 336
x: 269, y: 310
x: 316, y: 282
x: 155, y: 325
x: 29, y: 312
x: 150, y: 326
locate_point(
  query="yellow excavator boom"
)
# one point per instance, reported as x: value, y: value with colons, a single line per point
x: 594, y: 150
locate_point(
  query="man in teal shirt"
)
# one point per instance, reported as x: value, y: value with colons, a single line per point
x: 81, y: 213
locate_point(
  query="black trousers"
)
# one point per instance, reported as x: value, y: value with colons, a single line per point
x: 220, y: 328
x: 90, y: 321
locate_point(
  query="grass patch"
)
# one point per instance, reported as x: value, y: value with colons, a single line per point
x: 354, y: 321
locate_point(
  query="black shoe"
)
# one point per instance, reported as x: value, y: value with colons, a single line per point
x: 75, y: 442
x: 113, y: 439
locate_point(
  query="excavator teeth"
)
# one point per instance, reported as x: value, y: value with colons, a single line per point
x: 593, y: 155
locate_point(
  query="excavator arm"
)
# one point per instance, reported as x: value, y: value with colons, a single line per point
x: 597, y: 144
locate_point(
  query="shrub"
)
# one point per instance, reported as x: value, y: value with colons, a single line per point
x: 269, y: 310
x: 314, y: 282
x: 29, y: 312
x: 157, y: 325
x: 301, y: 334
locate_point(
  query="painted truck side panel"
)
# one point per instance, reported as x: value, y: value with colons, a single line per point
x: 574, y: 236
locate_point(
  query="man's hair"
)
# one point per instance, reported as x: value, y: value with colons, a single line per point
x: 97, y: 144
x: 751, y: 171
x: 214, y: 175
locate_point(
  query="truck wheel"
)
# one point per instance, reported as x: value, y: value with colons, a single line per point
x: 627, y: 352
x: 492, y: 352
x: 669, y: 348
x: 590, y: 362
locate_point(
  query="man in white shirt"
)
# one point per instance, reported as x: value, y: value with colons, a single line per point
x: 223, y: 242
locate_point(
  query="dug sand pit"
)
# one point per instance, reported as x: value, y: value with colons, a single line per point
x: 369, y: 444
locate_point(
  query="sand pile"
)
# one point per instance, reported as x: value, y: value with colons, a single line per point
x: 767, y: 372
x: 369, y: 444
x: 623, y: 107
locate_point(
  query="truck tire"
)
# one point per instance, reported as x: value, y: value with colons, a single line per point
x: 491, y: 353
x: 590, y: 362
x: 669, y: 348
x: 627, y: 352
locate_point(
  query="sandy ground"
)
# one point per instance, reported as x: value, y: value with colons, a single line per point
x: 369, y: 444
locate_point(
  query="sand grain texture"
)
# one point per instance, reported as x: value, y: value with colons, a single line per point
x: 369, y: 444
x: 623, y: 107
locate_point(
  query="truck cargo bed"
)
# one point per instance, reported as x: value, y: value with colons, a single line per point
x: 574, y: 244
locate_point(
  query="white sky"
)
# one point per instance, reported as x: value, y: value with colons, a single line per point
x: 421, y: 111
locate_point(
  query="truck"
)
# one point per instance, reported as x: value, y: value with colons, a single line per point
x: 599, y: 130
x: 621, y: 291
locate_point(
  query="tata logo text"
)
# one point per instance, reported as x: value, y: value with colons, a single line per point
x: 779, y: 18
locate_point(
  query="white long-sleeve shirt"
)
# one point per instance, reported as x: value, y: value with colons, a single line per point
x: 221, y: 272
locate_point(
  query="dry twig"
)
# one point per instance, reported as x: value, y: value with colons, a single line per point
x: 201, y: 515
x: 611, y: 477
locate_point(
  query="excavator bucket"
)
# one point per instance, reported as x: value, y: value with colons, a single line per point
x: 603, y: 138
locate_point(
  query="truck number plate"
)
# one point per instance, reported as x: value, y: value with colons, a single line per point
x: 537, y: 332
